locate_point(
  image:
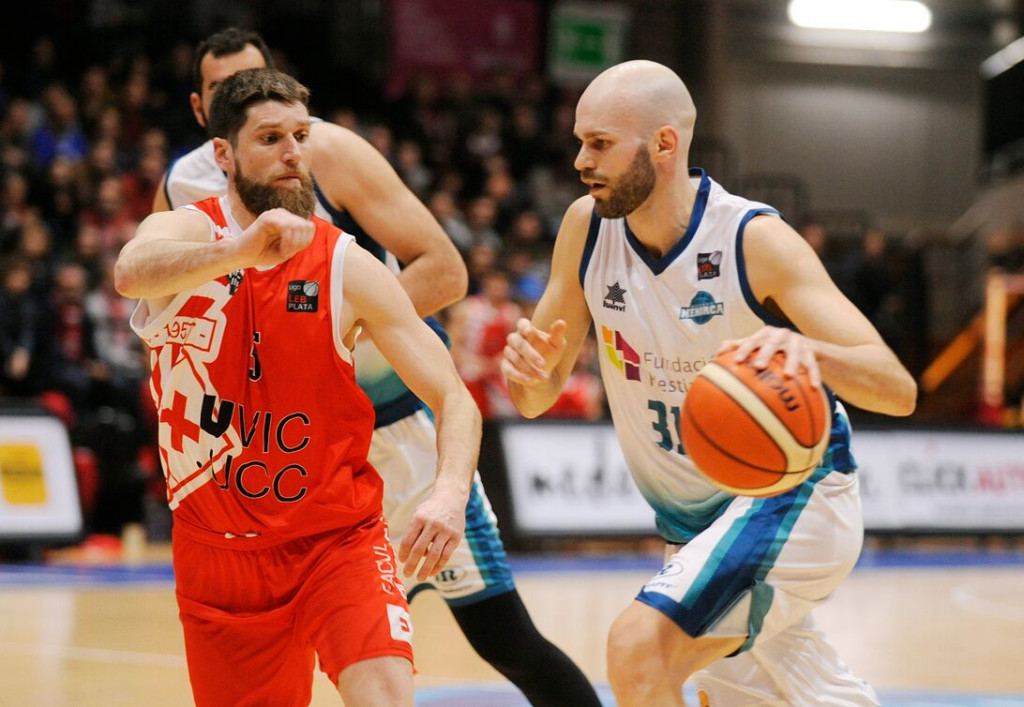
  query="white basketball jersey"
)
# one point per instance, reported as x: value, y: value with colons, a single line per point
x: 658, y: 322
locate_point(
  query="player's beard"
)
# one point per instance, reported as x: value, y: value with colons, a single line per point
x: 631, y: 189
x: 258, y: 197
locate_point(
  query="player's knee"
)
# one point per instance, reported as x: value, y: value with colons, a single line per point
x: 633, y: 652
x: 377, y: 681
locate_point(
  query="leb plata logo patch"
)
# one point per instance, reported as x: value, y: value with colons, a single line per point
x: 303, y: 295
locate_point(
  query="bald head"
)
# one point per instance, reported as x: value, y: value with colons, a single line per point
x: 642, y: 94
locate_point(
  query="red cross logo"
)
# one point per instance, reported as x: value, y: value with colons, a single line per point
x: 180, y: 426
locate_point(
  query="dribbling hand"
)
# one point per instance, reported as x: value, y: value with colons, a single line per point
x: 763, y: 344
x: 531, y: 354
x: 275, y: 236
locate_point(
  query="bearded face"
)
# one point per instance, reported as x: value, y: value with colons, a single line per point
x: 628, y: 191
x: 258, y: 197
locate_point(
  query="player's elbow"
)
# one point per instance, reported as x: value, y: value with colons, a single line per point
x: 453, y: 281
x: 124, y: 280
x: 904, y: 402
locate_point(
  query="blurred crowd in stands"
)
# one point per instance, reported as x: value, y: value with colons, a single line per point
x: 83, y: 149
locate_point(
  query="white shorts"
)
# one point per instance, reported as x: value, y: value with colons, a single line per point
x: 405, y: 455
x: 757, y: 571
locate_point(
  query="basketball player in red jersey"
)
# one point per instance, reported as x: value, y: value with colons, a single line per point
x: 358, y: 191
x: 251, y: 309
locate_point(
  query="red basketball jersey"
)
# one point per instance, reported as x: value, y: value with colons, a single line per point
x: 263, y: 430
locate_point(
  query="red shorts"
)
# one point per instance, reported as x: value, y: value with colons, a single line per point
x: 255, y: 618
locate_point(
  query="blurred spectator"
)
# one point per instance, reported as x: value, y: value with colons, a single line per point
x: 61, y: 202
x: 442, y: 205
x: 109, y: 213
x: 509, y: 199
x: 553, y: 188
x: 873, y: 283
x: 19, y: 329
x: 59, y: 134
x: 94, y: 97
x: 434, y: 120
x: 139, y: 186
x: 16, y: 209
x: 526, y: 275
x: 347, y: 118
x: 524, y: 142
x: 72, y: 360
x: 20, y: 120
x: 871, y: 275
x: 173, y: 81
x: 481, y: 218
x: 478, y: 327
x: 88, y: 252
x: 530, y: 232
x: 416, y: 175
x: 116, y: 345
x: 480, y: 261
x: 42, y: 66
x: 136, y: 110
x: 380, y: 136
x: 35, y: 245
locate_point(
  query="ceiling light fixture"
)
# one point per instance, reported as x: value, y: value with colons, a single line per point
x: 869, y: 15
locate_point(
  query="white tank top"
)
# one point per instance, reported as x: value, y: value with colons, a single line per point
x: 658, y: 322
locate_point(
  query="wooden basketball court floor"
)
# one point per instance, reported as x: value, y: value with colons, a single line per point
x: 926, y: 628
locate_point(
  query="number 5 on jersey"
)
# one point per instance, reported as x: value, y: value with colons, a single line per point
x: 255, y: 370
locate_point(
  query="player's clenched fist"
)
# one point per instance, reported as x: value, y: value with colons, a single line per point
x: 275, y: 236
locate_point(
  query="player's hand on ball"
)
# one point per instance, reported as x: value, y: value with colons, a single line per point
x: 435, y: 531
x: 531, y: 354
x: 761, y: 346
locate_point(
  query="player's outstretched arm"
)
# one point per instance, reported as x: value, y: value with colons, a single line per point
x: 172, y: 252
x: 540, y: 353
x: 356, y: 178
x: 838, y: 345
x: 375, y: 301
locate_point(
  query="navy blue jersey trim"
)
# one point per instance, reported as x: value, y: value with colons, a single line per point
x: 588, y: 247
x: 658, y: 265
x: 439, y: 330
x: 741, y: 267
x: 167, y: 181
x: 398, y: 409
x: 344, y: 221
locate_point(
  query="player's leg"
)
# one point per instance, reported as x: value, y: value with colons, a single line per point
x: 754, y: 574
x: 787, y: 660
x: 352, y: 610
x: 795, y: 667
x: 240, y: 644
x: 650, y: 657
x: 477, y: 582
x: 376, y: 682
x: 501, y: 631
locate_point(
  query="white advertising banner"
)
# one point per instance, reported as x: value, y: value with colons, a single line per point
x: 941, y: 480
x: 571, y: 478
x: 38, y: 488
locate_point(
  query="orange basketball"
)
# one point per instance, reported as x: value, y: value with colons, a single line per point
x: 754, y: 433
